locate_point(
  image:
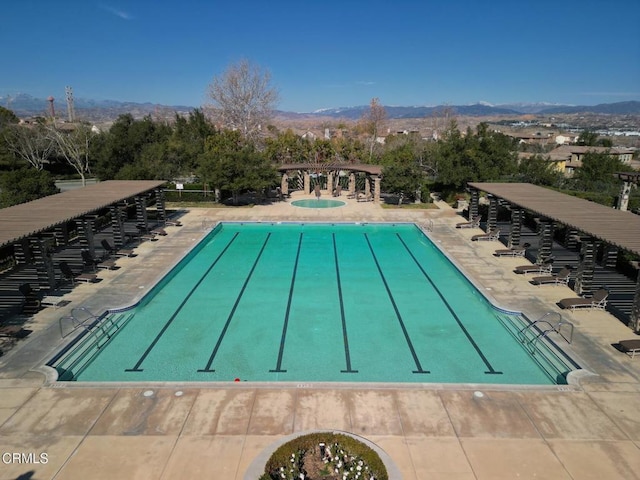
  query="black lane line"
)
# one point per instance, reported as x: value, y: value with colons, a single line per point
x: 278, y: 368
x: 344, y: 322
x: 491, y: 370
x: 233, y: 310
x: 395, y: 307
x: 137, y: 368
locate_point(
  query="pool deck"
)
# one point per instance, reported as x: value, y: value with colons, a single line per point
x: 454, y: 432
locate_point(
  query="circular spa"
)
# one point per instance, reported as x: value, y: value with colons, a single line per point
x: 317, y: 203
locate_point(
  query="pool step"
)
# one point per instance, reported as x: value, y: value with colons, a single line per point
x: 89, y: 345
x: 542, y: 349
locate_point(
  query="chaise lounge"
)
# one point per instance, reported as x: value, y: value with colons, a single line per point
x: 541, y: 268
x: 473, y: 223
x: 79, y: 277
x: 31, y: 303
x: 111, y: 250
x: 597, y: 301
x: 492, y: 235
x: 518, y: 251
x: 94, y: 263
x: 561, y: 278
x: 630, y: 347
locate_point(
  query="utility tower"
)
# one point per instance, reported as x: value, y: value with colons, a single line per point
x: 70, y: 108
x: 52, y: 110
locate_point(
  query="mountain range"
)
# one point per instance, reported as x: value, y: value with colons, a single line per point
x: 94, y: 110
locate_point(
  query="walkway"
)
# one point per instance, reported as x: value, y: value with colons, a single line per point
x: 169, y: 431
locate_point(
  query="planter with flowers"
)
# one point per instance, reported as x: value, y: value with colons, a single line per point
x: 327, y: 456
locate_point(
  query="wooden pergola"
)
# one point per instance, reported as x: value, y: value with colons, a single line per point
x: 591, y: 222
x: 333, y: 172
x: 30, y: 226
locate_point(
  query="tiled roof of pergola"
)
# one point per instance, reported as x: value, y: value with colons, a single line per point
x: 324, y: 167
x: 30, y: 218
x: 616, y: 227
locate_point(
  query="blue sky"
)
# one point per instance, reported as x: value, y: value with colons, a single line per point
x: 326, y: 53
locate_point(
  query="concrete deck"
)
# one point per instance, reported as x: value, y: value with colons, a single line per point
x: 168, y: 431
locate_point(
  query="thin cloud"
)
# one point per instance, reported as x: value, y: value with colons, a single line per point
x: 118, y: 13
x: 365, y: 82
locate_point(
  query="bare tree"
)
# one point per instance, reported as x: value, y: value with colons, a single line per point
x: 243, y: 98
x: 73, y: 146
x: 374, y: 120
x: 30, y: 143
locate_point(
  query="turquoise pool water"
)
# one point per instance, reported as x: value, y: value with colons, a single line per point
x: 317, y: 203
x: 311, y: 302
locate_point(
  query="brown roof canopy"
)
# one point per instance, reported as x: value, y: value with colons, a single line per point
x: 616, y: 227
x: 26, y: 219
x: 324, y: 167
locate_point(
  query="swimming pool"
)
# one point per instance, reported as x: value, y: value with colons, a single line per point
x: 307, y: 302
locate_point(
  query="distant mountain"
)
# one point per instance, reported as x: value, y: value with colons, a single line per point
x: 620, y: 108
x: 485, y: 109
x: 25, y: 105
x: 477, y: 109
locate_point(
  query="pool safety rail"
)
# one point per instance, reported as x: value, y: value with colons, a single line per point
x: 543, y: 326
x: 97, y: 332
x: 534, y: 337
x: 208, y: 224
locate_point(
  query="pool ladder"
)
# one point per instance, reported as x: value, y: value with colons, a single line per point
x: 547, y: 327
x: 90, y: 322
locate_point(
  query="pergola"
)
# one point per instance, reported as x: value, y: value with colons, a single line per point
x: 31, y: 226
x: 333, y: 173
x: 590, y: 222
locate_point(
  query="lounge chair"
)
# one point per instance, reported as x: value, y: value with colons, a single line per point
x: 174, y: 223
x: 492, y: 235
x: 352, y: 194
x: 145, y: 234
x: 31, y: 302
x: 541, y: 268
x: 80, y: 277
x: 473, y: 223
x: 630, y: 347
x: 597, y: 301
x: 513, y: 251
x: 14, y: 331
x: 561, y: 278
x: 94, y: 263
x: 364, y: 198
x: 111, y: 250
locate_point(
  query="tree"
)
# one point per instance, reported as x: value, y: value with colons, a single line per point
x: 587, y: 138
x: 373, y: 122
x: 404, y: 178
x: 124, y: 143
x: 29, y: 143
x: 539, y: 171
x: 233, y: 165
x: 243, y: 98
x: 73, y: 146
x: 596, y: 172
x: 482, y: 156
x: 7, y: 117
x: 25, y: 184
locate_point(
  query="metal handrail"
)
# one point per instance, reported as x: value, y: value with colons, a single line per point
x: 552, y: 327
